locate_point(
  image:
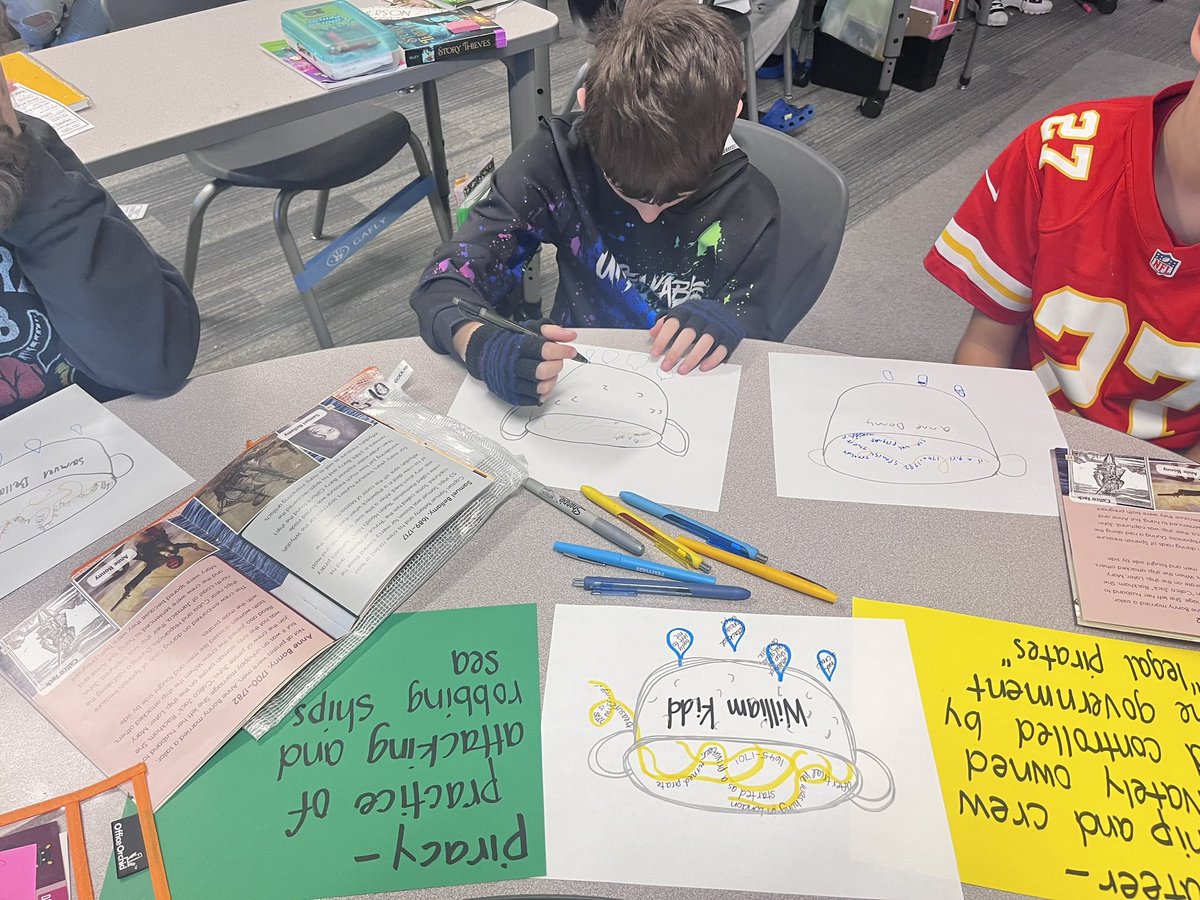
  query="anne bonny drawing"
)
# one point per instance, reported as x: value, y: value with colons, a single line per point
x: 895, y: 433
x: 603, y: 405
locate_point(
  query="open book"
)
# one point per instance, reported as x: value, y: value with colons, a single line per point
x: 168, y: 642
x: 1131, y: 528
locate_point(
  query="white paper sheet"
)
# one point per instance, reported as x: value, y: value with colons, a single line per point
x: 772, y: 753
x: 71, y: 472
x: 912, y: 434
x: 619, y: 424
x: 61, y: 118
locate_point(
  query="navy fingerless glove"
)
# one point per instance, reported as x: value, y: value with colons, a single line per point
x: 506, y: 362
x: 711, y: 318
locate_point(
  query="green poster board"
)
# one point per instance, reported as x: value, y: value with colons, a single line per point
x: 416, y: 764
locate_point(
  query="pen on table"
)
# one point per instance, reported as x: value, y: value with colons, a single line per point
x: 667, y: 544
x: 621, y: 561
x: 483, y: 314
x: 770, y: 573
x: 606, y: 530
x: 631, y: 587
x: 706, y: 533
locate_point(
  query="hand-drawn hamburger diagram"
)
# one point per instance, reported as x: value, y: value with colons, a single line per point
x: 737, y: 735
x: 897, y: 433
x: 607, y: 404
x: 53, y: 481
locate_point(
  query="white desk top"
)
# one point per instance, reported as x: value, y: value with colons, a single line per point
x: 184, y: 83
x: 904, y: 554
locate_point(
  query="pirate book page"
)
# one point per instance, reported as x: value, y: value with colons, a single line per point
x: 158, y: 653
x: 71, y: 472
x: 174, y: 637
x: 1131, y: 527
x: 912, y: 434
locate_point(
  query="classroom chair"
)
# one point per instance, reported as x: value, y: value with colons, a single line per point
x: 814, y: 203
x: 584, y: 12
x: 322, y: 152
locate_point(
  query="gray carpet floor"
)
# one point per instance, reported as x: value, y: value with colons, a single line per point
x: 250, y: 310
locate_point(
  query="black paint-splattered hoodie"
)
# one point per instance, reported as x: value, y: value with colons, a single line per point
x: 614, y: 270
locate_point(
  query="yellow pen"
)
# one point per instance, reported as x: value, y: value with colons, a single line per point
x: 664, y: 542
x: 770, y: 573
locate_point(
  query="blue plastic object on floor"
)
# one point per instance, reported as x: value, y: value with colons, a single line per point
x: 782, y: 116
x: 772, y: 71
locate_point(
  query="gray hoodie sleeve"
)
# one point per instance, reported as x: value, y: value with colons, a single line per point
x: 125, y: 316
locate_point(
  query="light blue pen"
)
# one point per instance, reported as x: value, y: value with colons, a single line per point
x: 718, y: 539
x: 621, y: 561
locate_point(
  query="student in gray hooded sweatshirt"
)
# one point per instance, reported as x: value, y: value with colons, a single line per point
x: 83, y: 298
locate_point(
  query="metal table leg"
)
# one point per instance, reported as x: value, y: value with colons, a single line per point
x: 528, y: 104
x: 437, y: 142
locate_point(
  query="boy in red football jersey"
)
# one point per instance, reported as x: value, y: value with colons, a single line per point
x: 1080, y: 251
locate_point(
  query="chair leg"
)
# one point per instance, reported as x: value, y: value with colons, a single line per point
x: 191, y: 253
x: 751, y: 81
x: 440, y: 214
x: 282, y: 201
x: 569, y: 102
x: 319, y: 214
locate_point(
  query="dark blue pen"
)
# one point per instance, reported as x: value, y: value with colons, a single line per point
x: 631, y: 587
x: 706, y: 533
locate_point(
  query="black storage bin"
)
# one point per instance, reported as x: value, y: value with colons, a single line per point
x: 838, y: 66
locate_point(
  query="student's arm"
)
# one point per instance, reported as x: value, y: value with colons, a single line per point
x: 987, y: 342
x: 703, y: 333
x: 125, y: 316
x: 485, y: 260
x: 987, y: 252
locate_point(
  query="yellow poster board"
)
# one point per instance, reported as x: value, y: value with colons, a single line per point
x: 1070, y: 764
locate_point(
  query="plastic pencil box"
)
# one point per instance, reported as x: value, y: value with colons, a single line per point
x: 340, y: 39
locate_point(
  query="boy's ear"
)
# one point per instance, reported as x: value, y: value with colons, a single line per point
x: 739, y: 109
x: 581, y: 96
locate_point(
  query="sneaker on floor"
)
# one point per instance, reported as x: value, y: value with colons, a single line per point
x: 1032, y: 7
x: 997, y: 15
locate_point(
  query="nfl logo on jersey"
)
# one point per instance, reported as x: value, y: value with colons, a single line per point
x: 1164, y: 264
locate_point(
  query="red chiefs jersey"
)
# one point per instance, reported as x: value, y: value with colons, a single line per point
x: 1063, y: 234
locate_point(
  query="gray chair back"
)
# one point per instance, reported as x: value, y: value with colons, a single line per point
x: 131, y: 13
x: 813, y: 201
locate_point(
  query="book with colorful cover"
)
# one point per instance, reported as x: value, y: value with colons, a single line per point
x: 283, y: 52
x: 23, y: 69
x: 445, y: 35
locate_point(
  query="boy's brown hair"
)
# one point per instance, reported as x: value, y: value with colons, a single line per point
x: 662, y: 92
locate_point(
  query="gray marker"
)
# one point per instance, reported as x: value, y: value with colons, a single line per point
x: 606, y: 530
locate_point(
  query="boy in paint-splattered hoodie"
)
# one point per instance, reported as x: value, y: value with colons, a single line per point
x: 658, y: 222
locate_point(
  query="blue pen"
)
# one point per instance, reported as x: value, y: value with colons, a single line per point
x: 621, y: 561
x: 718, y: 539
x: 631, y: 587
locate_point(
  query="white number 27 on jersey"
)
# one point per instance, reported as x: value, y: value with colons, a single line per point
x: 1072, y: 127
x: 1103, y: 322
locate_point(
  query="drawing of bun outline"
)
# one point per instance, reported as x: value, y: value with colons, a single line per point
x: 601, y: 405
x: 51, y: 483
x: 750, y: 760
x: 910, y: 434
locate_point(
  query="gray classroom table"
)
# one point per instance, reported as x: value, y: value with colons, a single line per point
x: 988, y: 564
x: 183, y: 83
